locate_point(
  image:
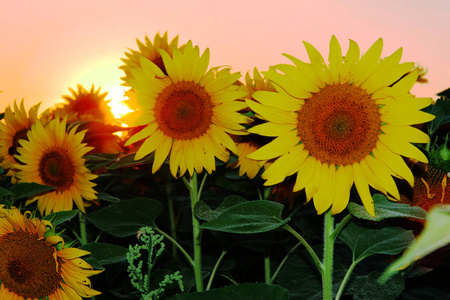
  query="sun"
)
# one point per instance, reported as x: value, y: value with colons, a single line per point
x: 118, y: 108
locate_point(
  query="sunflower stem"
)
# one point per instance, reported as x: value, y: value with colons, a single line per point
x: 83, y: 235
x: 327, y: 275
x: 173, y: 226
x: 307, y: 246
x: 340, y: 226
x: 213, y: 273
x: 196, y: 231
x: 267, y: 276
x: 345, y: 280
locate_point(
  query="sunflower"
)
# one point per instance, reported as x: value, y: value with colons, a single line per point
x: 187, y: 113
x: 341, y: 124
x: 35, y: 265
x: 250, y: 143
x: 92, y: 110
x: 53, y: 157
x: 150, y: 51
x: 84, y: 105
x: 14, y: 127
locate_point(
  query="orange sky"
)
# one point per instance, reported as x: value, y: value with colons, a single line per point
x: 48, y: 46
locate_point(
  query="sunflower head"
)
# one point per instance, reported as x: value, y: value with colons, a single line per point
x: 53, y: 156
x: 13, y: 128
x: 251, y: 142
x: 150, y: 51
x: 84, y: 105
x: 187, y: 113
x: 341, y: 123
x: 34, y: 263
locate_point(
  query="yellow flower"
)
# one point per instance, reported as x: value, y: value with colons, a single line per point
x: 150, y: 51
x: 35, y: 265
x: 341, y: 124
x: 84, y: 105
x: 187, y: 113
x: 14, y: 127
x: 252, y: 142
x: 53, y: 157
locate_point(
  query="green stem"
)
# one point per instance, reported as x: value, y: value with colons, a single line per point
x: 307, y: 246
x: 173, y: 226
x: 345, y: 280
x: 327, y: 275
x: 267, y: 269
x: 213, y: 273
x: 340, y: 226
x: 83, y: 235
x: 267, y: 191
x: 174, y: 242
x: 275, y: 274
x: 197, y: 233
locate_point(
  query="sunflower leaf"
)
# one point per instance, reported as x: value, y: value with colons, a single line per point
x: 245, y: 291
x: 387, y: 209
x: 365, y: 241
x: 61, y: 216
x: 441, y: 110
x: 434, y: 236
x: 106, y: 254
x: 126, y: 217
x: 203, y: 212
x: 29, y: 189
x: 128, y: 160
x: 248, y: 217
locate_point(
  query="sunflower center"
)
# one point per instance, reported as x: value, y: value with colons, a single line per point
x: 56, y: 169
x: 184, y: 110
x: 19, y: 135
x: 339, y: 124
x: 27, y: 265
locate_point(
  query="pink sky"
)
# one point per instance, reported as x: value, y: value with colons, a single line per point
x: 49, y: 46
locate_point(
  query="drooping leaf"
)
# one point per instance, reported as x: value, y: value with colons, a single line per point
x: 246, y: 291
x: 61, y: 216
x: 386, y: 209
x: 248, y: 217
x: 435, y: 235
x: 203, y: 212
x: 366, y: 241
x: 124, y: 218
x: 363, y: 287
x: 106, y: 197
x: 5, y: 193
x: 106, y: 253
x: 128, y: 160
x: 29, y: 189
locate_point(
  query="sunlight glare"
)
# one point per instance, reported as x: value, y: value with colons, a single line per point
x: 118, y: 108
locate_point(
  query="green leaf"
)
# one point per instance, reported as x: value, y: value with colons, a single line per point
x: 440, y: 109
x: 128, y: 160
x: 29, y: 189
x: 366, y: 287
x: 386, y: 209
x: 61, y: 216
x: 203, y: 212
x: 5, y: 193
x: 127, y: 216
x: 246, y: 291
x: 248, y: 217
x: 364, y: 241
x: 106, y: 253
x: 107, y: 198
x: 435, y: 235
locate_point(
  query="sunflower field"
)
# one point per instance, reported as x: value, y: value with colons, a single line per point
x: 324, y: 179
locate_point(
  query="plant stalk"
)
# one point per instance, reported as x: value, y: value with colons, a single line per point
x: 327, y: 275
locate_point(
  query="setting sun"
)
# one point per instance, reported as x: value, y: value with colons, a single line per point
x: 118, y: 108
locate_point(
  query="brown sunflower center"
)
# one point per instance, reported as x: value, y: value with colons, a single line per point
x: 19, y: 135
x: 27, y: 265
x: 56, y: 169
x: 339, y: 124
x: 184, y: 110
